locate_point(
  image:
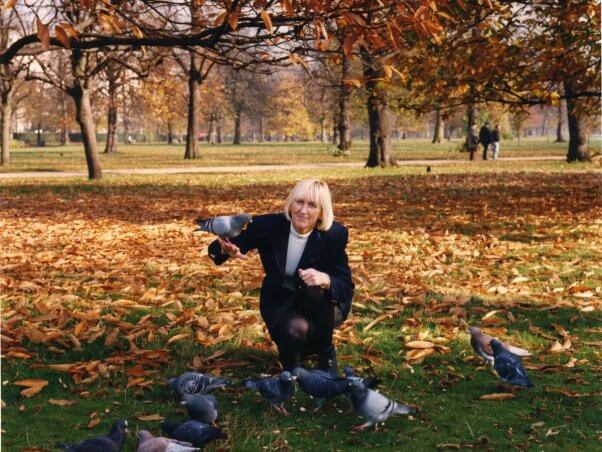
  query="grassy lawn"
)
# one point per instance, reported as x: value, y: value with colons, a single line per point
x: 162, y: 155
x: 106, y: 292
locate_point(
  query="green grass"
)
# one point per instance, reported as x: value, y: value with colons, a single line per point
x: 444, y: 389
x: 71, y: 157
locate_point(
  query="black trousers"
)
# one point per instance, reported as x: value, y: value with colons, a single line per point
x: 312, y: 305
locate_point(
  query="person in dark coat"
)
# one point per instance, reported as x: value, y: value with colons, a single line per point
x: 472, y: 141
x: 307, y: 288
x: 485, y: 139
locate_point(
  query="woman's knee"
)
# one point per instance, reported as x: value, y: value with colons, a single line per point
x: 298, y: 328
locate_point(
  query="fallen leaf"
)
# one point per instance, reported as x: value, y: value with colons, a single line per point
x: 61, y: 402
x: 150, y: 417
x: 93, y: 422
x: 498, y: 396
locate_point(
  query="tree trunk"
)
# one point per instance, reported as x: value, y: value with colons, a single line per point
x: 111, y: 143
x: 323, y: 133
x: 64, y: 120
x: 335, y: 131
x: 194, y: 87
x: 169, y: 132
x: 261, y: 128
x: 344, y: 126
x: 83, y: 116
x: 578, y: 150
x: 218, y: 138
x: 378, y: 116
x: 211, y: 133
x: 6, y: 136
x: 438, y: 132
x: 559, y: 125
x: 237, y: 120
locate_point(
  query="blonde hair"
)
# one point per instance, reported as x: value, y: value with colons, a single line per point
x: 317, y: 191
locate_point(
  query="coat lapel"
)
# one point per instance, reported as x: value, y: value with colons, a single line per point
x: 312, y: 250
x: 281, y: 245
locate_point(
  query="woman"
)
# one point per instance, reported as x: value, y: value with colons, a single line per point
x: 307, y: 289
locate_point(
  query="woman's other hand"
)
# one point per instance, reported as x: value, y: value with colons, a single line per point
x: 313, y: 277
x: 230, y: 249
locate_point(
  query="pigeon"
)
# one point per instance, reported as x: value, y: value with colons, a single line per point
x: 274, y: 390
x: 368, y: 382
x: 202, y: 408
x: 149, y: 443
x: 509, y: 366
x: 226, y: 227
x: 199, y: 434
x: 373, y: 406
x: 113, y: 442
x: 196, y: 383
x: 321, y: 385
x: 481, y: 344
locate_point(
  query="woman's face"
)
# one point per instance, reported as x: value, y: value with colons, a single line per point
x: 304, y: 214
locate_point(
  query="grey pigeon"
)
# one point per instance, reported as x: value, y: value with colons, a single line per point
x: 113, y: 442
x: 481, y: 344
x: 373, y: 406
x: 149, y: 443
x: 196, y: 383
x: 227, y: 227
x: 321, y: 385
x: 369, y: 382
x: 199, y: 434
x: 276, y: 391
x: 509, y: 366
x: 202, y: 408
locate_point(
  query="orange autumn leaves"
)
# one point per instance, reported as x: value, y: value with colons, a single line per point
x: 123, y: 267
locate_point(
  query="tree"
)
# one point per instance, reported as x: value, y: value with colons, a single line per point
x: 291, y: 118
x: 11, y: 78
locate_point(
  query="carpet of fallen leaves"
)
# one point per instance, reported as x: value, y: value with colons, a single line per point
x: 122, y: 264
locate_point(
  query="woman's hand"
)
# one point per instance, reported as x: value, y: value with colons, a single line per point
x: 230, y: 249
x: 313, y: 277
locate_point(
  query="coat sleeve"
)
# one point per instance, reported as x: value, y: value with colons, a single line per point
x: 341, y: 285
x: 247, y: 240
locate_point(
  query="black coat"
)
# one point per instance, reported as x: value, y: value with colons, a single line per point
x: 324, y: 251
x: 484, y: 135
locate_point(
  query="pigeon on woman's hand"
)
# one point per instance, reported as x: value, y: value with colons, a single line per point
x: 481, y: 343
x: 321, y: 385
x: 149, y: 443
x: 196, y: 383
x: 196, y: 433
x: 276, y: 390
x: 113, y: 442
x: 202, y: 408
x: 373, y: 406
x: 369, y: 382
x: 509, y: 366
x: 226, y: 227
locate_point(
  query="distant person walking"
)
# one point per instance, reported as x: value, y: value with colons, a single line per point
x: 495, y: 141
x: 472, y: 141
x: 485, y: 138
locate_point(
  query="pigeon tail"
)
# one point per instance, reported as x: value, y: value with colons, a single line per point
x: 400, y: 408
x: 205, y: 225
x: 518, y: 351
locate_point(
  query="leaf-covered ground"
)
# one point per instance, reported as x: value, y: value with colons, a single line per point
x: 106, y: 292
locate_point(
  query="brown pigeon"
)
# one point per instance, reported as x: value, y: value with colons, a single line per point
x: 149, y: 443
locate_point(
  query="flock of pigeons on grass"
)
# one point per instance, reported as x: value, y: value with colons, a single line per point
x: 193, y: 389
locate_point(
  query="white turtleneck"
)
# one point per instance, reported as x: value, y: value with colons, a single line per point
x: 296, y: 245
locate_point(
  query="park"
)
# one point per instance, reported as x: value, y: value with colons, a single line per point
x: 462, y: 154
